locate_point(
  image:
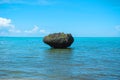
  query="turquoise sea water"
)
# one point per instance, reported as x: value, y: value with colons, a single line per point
x: 87, y: 59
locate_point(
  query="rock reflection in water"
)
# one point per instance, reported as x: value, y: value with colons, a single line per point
x: 58, y: 63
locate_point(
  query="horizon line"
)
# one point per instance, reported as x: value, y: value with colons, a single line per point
x: 73, y: 36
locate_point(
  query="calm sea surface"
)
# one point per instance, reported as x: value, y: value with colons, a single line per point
x: 86, y: 59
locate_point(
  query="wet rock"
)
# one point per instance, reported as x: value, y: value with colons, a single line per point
x: 59, y: 40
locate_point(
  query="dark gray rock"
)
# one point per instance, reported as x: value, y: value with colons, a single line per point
x: 58, y: 40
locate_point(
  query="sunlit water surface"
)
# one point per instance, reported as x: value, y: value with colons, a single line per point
x: 86, y: 59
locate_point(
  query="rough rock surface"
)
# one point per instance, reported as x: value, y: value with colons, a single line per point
x: 58, y: 40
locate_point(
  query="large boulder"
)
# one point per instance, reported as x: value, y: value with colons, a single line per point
x: 58, y: 40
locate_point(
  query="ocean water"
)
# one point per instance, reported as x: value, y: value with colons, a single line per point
x: 28, y: 58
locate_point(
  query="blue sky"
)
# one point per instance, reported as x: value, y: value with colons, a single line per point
x: 83, y: 18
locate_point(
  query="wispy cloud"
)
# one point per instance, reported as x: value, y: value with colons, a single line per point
x: 28, y: 2
x: 6, y: 27
x: 34, y: 30
x: 42, y: 31
x: 13, y: 30
x: 117, y: 27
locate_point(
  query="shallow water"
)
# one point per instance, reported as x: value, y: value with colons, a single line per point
x: 87, y: 59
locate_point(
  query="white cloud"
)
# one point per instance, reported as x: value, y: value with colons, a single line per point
x: 4, y: 22
x: 7, y: 27
x: 34, y: 30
